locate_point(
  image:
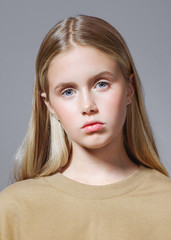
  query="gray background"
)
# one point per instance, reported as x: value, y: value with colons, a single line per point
x: 146, y: 27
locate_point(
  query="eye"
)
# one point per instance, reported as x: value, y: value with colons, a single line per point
x: 68, y: 92
x: 102, y: 84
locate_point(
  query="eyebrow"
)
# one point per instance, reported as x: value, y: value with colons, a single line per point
x: 100, y: 74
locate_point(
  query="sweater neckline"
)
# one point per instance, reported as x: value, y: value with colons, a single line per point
x: 82, y: 190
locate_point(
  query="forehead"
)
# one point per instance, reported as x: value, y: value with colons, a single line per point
x: 79, y: 62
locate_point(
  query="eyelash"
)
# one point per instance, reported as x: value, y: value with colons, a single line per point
x: 65, y: 91
x: 107, y: 83
x: 69, y: 89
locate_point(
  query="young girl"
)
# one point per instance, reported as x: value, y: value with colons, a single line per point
x: 88, y: 167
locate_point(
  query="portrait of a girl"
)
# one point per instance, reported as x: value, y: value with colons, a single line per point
x: 88, y: 167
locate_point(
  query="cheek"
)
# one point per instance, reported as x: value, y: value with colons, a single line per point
x: 62, y: 111
x: 65, y: 112
x: 115, y: 107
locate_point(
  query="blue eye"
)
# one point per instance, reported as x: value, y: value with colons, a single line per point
x: 102, y: 84
x: 68, y: 92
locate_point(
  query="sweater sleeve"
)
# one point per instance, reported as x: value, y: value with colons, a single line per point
x: 9, y: 219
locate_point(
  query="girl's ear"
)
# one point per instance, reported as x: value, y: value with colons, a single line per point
x: 50, y: 108
x: 131, y: 91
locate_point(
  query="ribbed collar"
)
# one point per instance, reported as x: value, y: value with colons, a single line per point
x: 81, y: 190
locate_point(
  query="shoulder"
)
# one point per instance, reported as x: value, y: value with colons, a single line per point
x: 17, y: 201
x: 160, y: 180
x: 22, y: 190
x: 155, y: 183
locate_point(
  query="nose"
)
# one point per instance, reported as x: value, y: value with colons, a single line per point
x: 88, y: 105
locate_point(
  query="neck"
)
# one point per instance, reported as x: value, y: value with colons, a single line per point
x: 103, y: 165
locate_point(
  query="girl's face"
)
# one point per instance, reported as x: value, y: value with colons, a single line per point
x: 89, y: 96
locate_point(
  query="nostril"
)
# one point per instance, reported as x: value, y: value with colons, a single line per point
x: 89, y: 109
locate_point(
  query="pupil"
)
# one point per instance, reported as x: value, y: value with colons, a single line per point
x: 69, y: 92
x: 102, y: 84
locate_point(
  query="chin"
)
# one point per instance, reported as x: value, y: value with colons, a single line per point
x: 96, y: 144
x: 99, y: 141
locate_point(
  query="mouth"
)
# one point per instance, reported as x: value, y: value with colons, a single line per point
x: 92, y: 126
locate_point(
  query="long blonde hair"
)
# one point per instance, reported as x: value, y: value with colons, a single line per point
x: 46, y: 147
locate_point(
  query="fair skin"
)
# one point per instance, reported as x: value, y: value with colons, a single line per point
x: 87, y: 85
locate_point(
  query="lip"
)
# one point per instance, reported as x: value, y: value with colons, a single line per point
x: 92, y: 126
x: 91, y: 123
